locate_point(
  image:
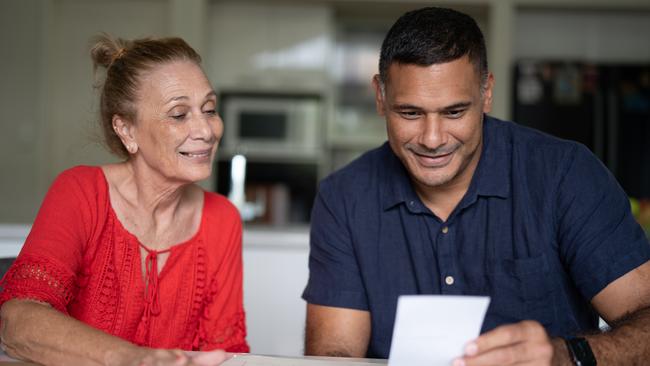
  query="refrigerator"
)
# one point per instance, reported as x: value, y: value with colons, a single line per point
x: 604, y: 106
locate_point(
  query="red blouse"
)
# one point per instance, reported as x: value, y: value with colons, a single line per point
x: 79, y: 258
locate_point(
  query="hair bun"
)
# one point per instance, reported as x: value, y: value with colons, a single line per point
x: 106, y: 50
x: 117, y: 55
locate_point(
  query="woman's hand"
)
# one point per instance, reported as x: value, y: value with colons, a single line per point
x: 164, y: 357
x: 210, y: 358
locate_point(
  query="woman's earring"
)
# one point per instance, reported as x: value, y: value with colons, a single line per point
x: 133, y: 148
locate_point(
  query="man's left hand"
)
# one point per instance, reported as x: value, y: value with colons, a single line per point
x: 523, y: 343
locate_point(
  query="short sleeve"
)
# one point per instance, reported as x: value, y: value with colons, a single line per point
x: 45, y: 270
x: 599, y: 239
x: 222, y: 324
x: 334, y: 276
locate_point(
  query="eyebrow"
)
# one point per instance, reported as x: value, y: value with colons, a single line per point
x: 175, y: 99
x: 184, y: 97
x: 459, y: 105
x: 211, y: 93
x: 406, y: 106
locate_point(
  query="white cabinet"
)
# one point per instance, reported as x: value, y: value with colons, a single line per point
x: 269, y: 47
x: 275, y: 274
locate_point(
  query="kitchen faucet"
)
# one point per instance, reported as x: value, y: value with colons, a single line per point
x: 247, y: 210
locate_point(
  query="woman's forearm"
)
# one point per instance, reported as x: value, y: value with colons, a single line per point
x: 36, y: 332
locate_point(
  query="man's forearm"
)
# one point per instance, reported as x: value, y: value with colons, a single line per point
x: 626, y: 343
x: 320, y: 345
x: 560, y: 353
x: 336, y: 332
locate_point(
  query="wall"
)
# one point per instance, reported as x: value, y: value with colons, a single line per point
x: 48, y: 102
x: 72, y: 103
x: 21, y: 96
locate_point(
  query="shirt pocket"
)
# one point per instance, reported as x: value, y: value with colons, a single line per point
x: 522, y: 289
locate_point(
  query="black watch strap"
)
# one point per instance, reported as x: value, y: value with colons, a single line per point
x: 580, y: 352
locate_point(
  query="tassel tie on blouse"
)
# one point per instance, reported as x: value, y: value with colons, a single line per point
x: 151, y: 295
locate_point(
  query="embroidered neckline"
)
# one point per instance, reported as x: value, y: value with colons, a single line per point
x: 111, y: 212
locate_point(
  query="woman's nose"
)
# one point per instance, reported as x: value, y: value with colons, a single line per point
x: 201, y: 128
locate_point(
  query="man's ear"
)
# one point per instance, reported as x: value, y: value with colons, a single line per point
x: 487, y: 93
x: 379, y: 94
x: 124, y: 130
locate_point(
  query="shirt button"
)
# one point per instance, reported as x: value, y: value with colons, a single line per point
x: 449, y: 280
x: 445, y: 230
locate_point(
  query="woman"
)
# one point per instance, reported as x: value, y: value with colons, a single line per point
x: 130, y: 263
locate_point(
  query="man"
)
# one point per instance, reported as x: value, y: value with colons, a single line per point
x: 461, y: 203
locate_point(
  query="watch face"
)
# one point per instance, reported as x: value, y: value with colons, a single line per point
x: 581, y: 352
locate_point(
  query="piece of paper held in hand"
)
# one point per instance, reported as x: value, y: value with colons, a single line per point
x: 432, y: 330
x: 254, y: 360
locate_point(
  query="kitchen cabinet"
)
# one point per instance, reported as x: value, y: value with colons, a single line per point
x: 276, y: 54
x: 269, y: 47
x: 275, y: 274
x: 355, y: 125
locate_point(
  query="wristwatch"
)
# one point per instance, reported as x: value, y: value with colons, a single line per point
x: 580, y: 351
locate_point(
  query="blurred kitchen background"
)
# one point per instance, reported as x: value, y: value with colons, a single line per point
x: 294, y: 82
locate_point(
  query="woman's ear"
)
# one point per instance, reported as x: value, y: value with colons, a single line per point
x: 124, y: 130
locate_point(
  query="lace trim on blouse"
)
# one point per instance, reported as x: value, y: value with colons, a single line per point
x: 40, y: 279
x: 198, y: 299
x: 223, y: 333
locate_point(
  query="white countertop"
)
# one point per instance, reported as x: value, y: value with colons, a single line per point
x: 276, y: 237
x: 12, y: 237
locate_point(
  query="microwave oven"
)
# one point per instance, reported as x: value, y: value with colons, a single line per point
x: 272, y: 126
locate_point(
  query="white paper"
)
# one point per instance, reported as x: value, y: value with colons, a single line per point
x: 433, y: 330
x: 256, y: 360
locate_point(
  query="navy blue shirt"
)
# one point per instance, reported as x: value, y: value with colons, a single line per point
x: 542, y: 229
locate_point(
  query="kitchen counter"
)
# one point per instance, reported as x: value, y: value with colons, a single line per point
x: 12, y: 237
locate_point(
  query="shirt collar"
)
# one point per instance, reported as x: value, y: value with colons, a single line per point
x: 491, y: 178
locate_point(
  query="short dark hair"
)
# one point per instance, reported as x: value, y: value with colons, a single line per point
x: 431, y: 36
x: 125, y: 61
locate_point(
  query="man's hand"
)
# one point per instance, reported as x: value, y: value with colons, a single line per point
x: 523, y: 343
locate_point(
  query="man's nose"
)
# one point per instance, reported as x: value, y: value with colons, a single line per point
x: 432, y: 133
